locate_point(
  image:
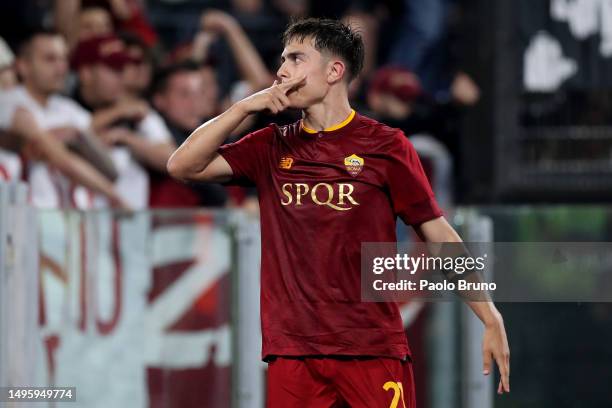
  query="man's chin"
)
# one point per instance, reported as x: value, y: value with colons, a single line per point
x: 296, y: 102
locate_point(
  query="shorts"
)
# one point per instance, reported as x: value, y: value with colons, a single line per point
x: 340, y: 382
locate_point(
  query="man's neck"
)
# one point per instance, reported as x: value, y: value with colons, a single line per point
x: 40, y: 97
x: 328, y: 113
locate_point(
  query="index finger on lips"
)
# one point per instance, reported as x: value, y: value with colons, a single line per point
x: 292, y: 83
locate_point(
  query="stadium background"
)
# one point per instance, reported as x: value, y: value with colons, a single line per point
x: 506, y: 101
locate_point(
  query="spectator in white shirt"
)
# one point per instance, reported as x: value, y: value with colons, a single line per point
x: 42, y: 64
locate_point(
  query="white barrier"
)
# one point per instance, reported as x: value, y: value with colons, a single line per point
x: 18, y: 288
x: 154, y: 309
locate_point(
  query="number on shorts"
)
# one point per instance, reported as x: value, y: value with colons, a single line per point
x: 398, y: 392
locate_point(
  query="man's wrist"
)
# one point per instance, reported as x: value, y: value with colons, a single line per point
x: 493, y: 318
x: 241, y: 108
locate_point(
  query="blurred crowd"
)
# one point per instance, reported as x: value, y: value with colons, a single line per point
x: 95, y: 95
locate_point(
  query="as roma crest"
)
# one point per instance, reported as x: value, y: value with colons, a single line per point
x: 353, y: 164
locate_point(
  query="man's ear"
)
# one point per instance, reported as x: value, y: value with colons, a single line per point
x: 336, y: 72
x: 21, y: 66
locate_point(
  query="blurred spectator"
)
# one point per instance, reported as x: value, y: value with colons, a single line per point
x: 10, y: 162
x: 82, y: 19
x: 35, y: 113
x: 254, y: 75
x: 423, y: 45
x: 138, y: 71
x: 20, y: 137
x: 177, y: 95
x: 137, y: 135
x: 216, y: 25
x: 366, y: 16
x: 94, y: 21
x: 396, y: 97
x: 78, y: 23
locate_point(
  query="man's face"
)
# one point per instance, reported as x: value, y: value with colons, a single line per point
x: 181, y: 101
x: 45, y: 64
x: 303, y: 59
x: 105, y: 84
x: 94, y: 21
x: 138, y: 72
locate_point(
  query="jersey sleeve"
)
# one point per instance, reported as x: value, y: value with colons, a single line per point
x: 249, y: 156
x: 411, y: 195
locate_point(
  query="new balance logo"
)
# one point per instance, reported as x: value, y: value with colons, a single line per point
x: 286, y: 163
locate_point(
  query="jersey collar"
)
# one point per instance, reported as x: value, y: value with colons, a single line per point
x: 332, y: 128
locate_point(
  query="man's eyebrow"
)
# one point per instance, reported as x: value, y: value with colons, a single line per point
x: 292, y: 55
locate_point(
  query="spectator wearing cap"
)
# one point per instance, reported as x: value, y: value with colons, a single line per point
x: 137, y: 135
x: 36, y: 113
x: 42, y: 63
x: 177, y: 95
x: 138, y: 73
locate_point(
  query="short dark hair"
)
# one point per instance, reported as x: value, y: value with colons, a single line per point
x: 164, y: 75
x: 332, y: 36
x: 25, y: 42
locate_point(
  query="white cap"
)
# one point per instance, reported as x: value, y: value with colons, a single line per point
x: 6, y: 55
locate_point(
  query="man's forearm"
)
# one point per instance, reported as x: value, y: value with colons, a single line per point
x: 486, y: 312
x: 250, y: 64
x: 92, y: 150
x: 440, y: 231
x: 75, y: 168
x: 155, y: 155
x: 200, y: 148
x: 66, y: 19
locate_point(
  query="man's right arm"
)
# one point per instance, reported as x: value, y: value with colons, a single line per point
x: 197, y: 158
x: 56, y: 154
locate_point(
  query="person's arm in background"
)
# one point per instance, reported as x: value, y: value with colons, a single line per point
x: 89, y: 147
x: 197, y: 158
x: 495, y: 342
x: 66, y: 20
x: 57, y: 155
x: 128, y: 109
x: 250, y: 65
x: 152, y: 154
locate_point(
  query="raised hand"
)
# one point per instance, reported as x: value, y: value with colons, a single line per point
x: 274, y: 98
x: 217, y: 21
x: 133, y: 109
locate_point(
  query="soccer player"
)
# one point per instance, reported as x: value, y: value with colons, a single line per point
x: 326, y: 184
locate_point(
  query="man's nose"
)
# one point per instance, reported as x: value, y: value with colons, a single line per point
x: 282, y: 72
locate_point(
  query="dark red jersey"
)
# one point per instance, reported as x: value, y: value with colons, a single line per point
x: 321, y: 195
